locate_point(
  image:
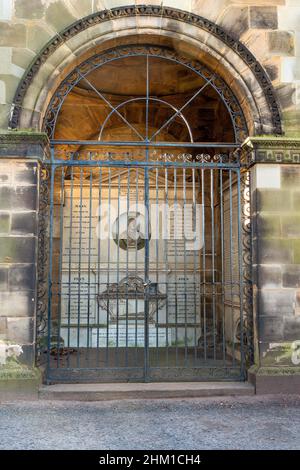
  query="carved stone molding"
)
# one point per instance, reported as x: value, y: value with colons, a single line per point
x: 270, y: 150
x: 155, y: 11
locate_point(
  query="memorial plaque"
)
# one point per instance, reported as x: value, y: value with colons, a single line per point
x: 130, y: 336
x: 78, y: 297
x: 96, y: 273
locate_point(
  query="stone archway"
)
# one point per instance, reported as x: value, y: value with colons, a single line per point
x: 188, y: 35
x: 203, y: 39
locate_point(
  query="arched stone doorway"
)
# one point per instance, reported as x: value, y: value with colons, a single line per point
x: 147, y: 310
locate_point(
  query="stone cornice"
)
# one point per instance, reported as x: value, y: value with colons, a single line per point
x: 23, y: 137
x: 267, y: 149
x: 23, y: 144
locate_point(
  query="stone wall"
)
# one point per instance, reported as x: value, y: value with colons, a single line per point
x: 269, y: 28
x: 19, y: 213
x: 18, y: 232
x: 275, y: 196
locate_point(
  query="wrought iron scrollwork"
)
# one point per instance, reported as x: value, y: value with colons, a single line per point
x: 95, y: 62
x: 247, y: 327
x: 42, y: 292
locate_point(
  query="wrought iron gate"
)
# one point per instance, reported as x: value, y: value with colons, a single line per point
x: 149, y: 258
x: 147, y: 263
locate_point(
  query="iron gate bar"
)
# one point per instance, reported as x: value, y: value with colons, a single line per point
x: 222, y: 264
x: 98, y: 267
x: 135, y: 143
x: 194, y: 219
x: 146, y: 273
x: 108, y: 264
x: 120, y: 164
x: 118, y: 271
x: 175, y: 243
x: 204, y: 264
x: 157, y: 259
x: 89, y: 259
x: 213, y: 256
x: 240, y: 266
x: 136, y: 266
x: 179, y: 111
x: 167, y: 267
x: 60, y: 257
x: 79, y: 266
x: 111, y: 106
x: 231, y: 244
x: 157, y: 100
x: 184, y: 272
x: 50, y: 287
x: 127, y: 258
x: 69, y: 265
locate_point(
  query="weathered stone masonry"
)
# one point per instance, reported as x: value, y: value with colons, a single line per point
x: 275, y: 192
x: 21, y: 154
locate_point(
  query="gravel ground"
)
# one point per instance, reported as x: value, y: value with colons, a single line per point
x: 219, y: 423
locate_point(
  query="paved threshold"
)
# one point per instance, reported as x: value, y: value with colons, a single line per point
x: 119, y: 391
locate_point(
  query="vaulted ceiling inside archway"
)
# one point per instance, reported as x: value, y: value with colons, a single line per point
x: 171, y: 86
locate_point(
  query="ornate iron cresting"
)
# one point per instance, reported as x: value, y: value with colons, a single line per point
x: 155, y: 11
x: 42, y: 293
x: 84, y: 69
x: 154, y: 156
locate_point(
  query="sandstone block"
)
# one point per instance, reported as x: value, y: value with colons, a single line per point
x: 22, y: 277
x: 12, y: 35
x: 17, y: 249
x: 59, y: 16
x: 16, y: 304
x: 20, y: 330
x: 4, y: 222
x: 263, y: 17
x: 281, y: 42
x: 34, y: 11
x: 23, y: 223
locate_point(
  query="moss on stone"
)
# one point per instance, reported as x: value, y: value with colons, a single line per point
x: 280, y: 355
x: 273, y: 370
x: 13, y: 370
x: 291, y: 122
x: 268, y: 225
x: 296, y: 246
